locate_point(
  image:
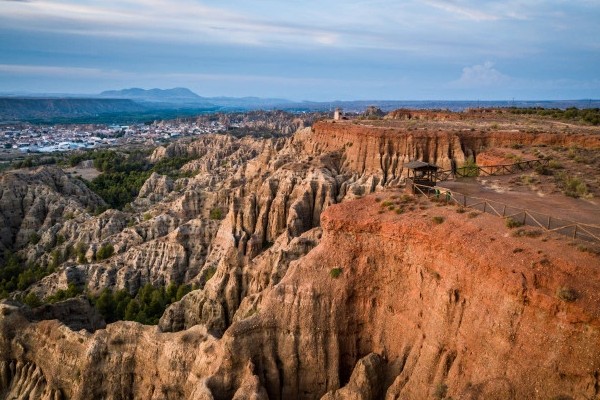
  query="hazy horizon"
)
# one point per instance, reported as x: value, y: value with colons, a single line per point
x: 452, y: 50
x: 94, y: 95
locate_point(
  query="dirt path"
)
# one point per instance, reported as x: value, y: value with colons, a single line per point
x: 586, y: 211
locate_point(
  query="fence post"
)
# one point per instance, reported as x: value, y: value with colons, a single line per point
x: 484, y: 204
x: 575, y: 232
x: 548, y: 223
x: 504, y: 210
x: 524, y: 217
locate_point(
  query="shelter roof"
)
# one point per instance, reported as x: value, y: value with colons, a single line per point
x: 420, y: 165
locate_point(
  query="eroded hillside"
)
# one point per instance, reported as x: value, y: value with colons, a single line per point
x: 296, y: 295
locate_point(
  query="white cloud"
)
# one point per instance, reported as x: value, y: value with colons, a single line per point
x: 185, y: 20
x: 481, y: 75
x: 463, y: 11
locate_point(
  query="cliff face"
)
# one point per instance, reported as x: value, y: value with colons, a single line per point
x: 449, y: 307
x: 445, y: 304
x: 34, y: 201
x: 384, y: 150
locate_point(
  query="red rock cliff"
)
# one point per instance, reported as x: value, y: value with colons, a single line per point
x: 383, y: 150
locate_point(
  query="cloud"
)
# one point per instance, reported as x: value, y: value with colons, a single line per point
x: 462, y: 11
x: 186, y: 20
x: 481, y: 75
x: 79, y: 72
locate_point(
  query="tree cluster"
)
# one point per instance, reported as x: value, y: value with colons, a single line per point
x: 124, y: 174
x: 587, y: 115
x: 146, y: 307
x: 15, y: 274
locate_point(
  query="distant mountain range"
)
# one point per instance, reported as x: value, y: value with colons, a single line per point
x: 138, y: 105
x: 175, y: 95
x: 126, y: 105
x: 185, y: 97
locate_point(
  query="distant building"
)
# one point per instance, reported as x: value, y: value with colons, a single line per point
x: 337, y: 114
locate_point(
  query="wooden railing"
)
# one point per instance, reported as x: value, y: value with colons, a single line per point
x: 575, y: 230
x: 491, y: 170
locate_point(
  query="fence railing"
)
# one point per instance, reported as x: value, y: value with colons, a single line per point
x: 575, y: 230
x: 491, y: 170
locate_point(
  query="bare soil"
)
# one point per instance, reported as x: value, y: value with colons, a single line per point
x: 544, y: 190
x: 87, y: 173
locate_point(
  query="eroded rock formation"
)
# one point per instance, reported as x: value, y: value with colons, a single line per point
x: 300, y: 296
x: 34, y: 201
x: 444, y: 308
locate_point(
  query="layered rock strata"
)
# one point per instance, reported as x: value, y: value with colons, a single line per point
x: 417, y: 310
x: 383, y: 150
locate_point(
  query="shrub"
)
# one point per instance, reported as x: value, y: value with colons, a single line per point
x: 62, y: 294
x: 543, y: 170
x: 407, y: 198
x: 34, y: 238
x: 182, y: 291
x: 216, y: 213
x: 531, y: 233
x: 80, y: 250
x: 210, y: 272
x: 335, y: 272
x: 512, y: 223
x: 574, y: 187
x: 469, y: 168
x: 527, y: 179
x: 440, y: 391
x: 567, y: 294
x: 105, y: 251
x: 32, y: 300
x: 438, y: 219
x: 586, y: 249
x: 60, y: 239
x: 55, y: 258
x: 147, y: 216
x: 553, y: 164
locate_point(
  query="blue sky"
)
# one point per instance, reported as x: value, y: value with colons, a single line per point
x: 306, y: 50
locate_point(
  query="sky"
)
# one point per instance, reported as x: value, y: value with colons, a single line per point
x: 306, y: 50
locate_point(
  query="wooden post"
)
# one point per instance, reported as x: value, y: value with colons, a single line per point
x: 504, y: 210
x: 548, y: 223
x: 484, y: 204
x: 575, y: 232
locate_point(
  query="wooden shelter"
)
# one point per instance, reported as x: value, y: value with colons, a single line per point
x: 420, y: 173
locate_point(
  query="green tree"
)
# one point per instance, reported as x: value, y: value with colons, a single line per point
x: 34, y: 238
x: 32, y: 300
x: 105, y: 304
x: 132, y: 310
x: 105, y: 251
x: 182, y: 291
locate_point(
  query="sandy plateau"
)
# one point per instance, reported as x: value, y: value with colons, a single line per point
x: 322, y: 278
